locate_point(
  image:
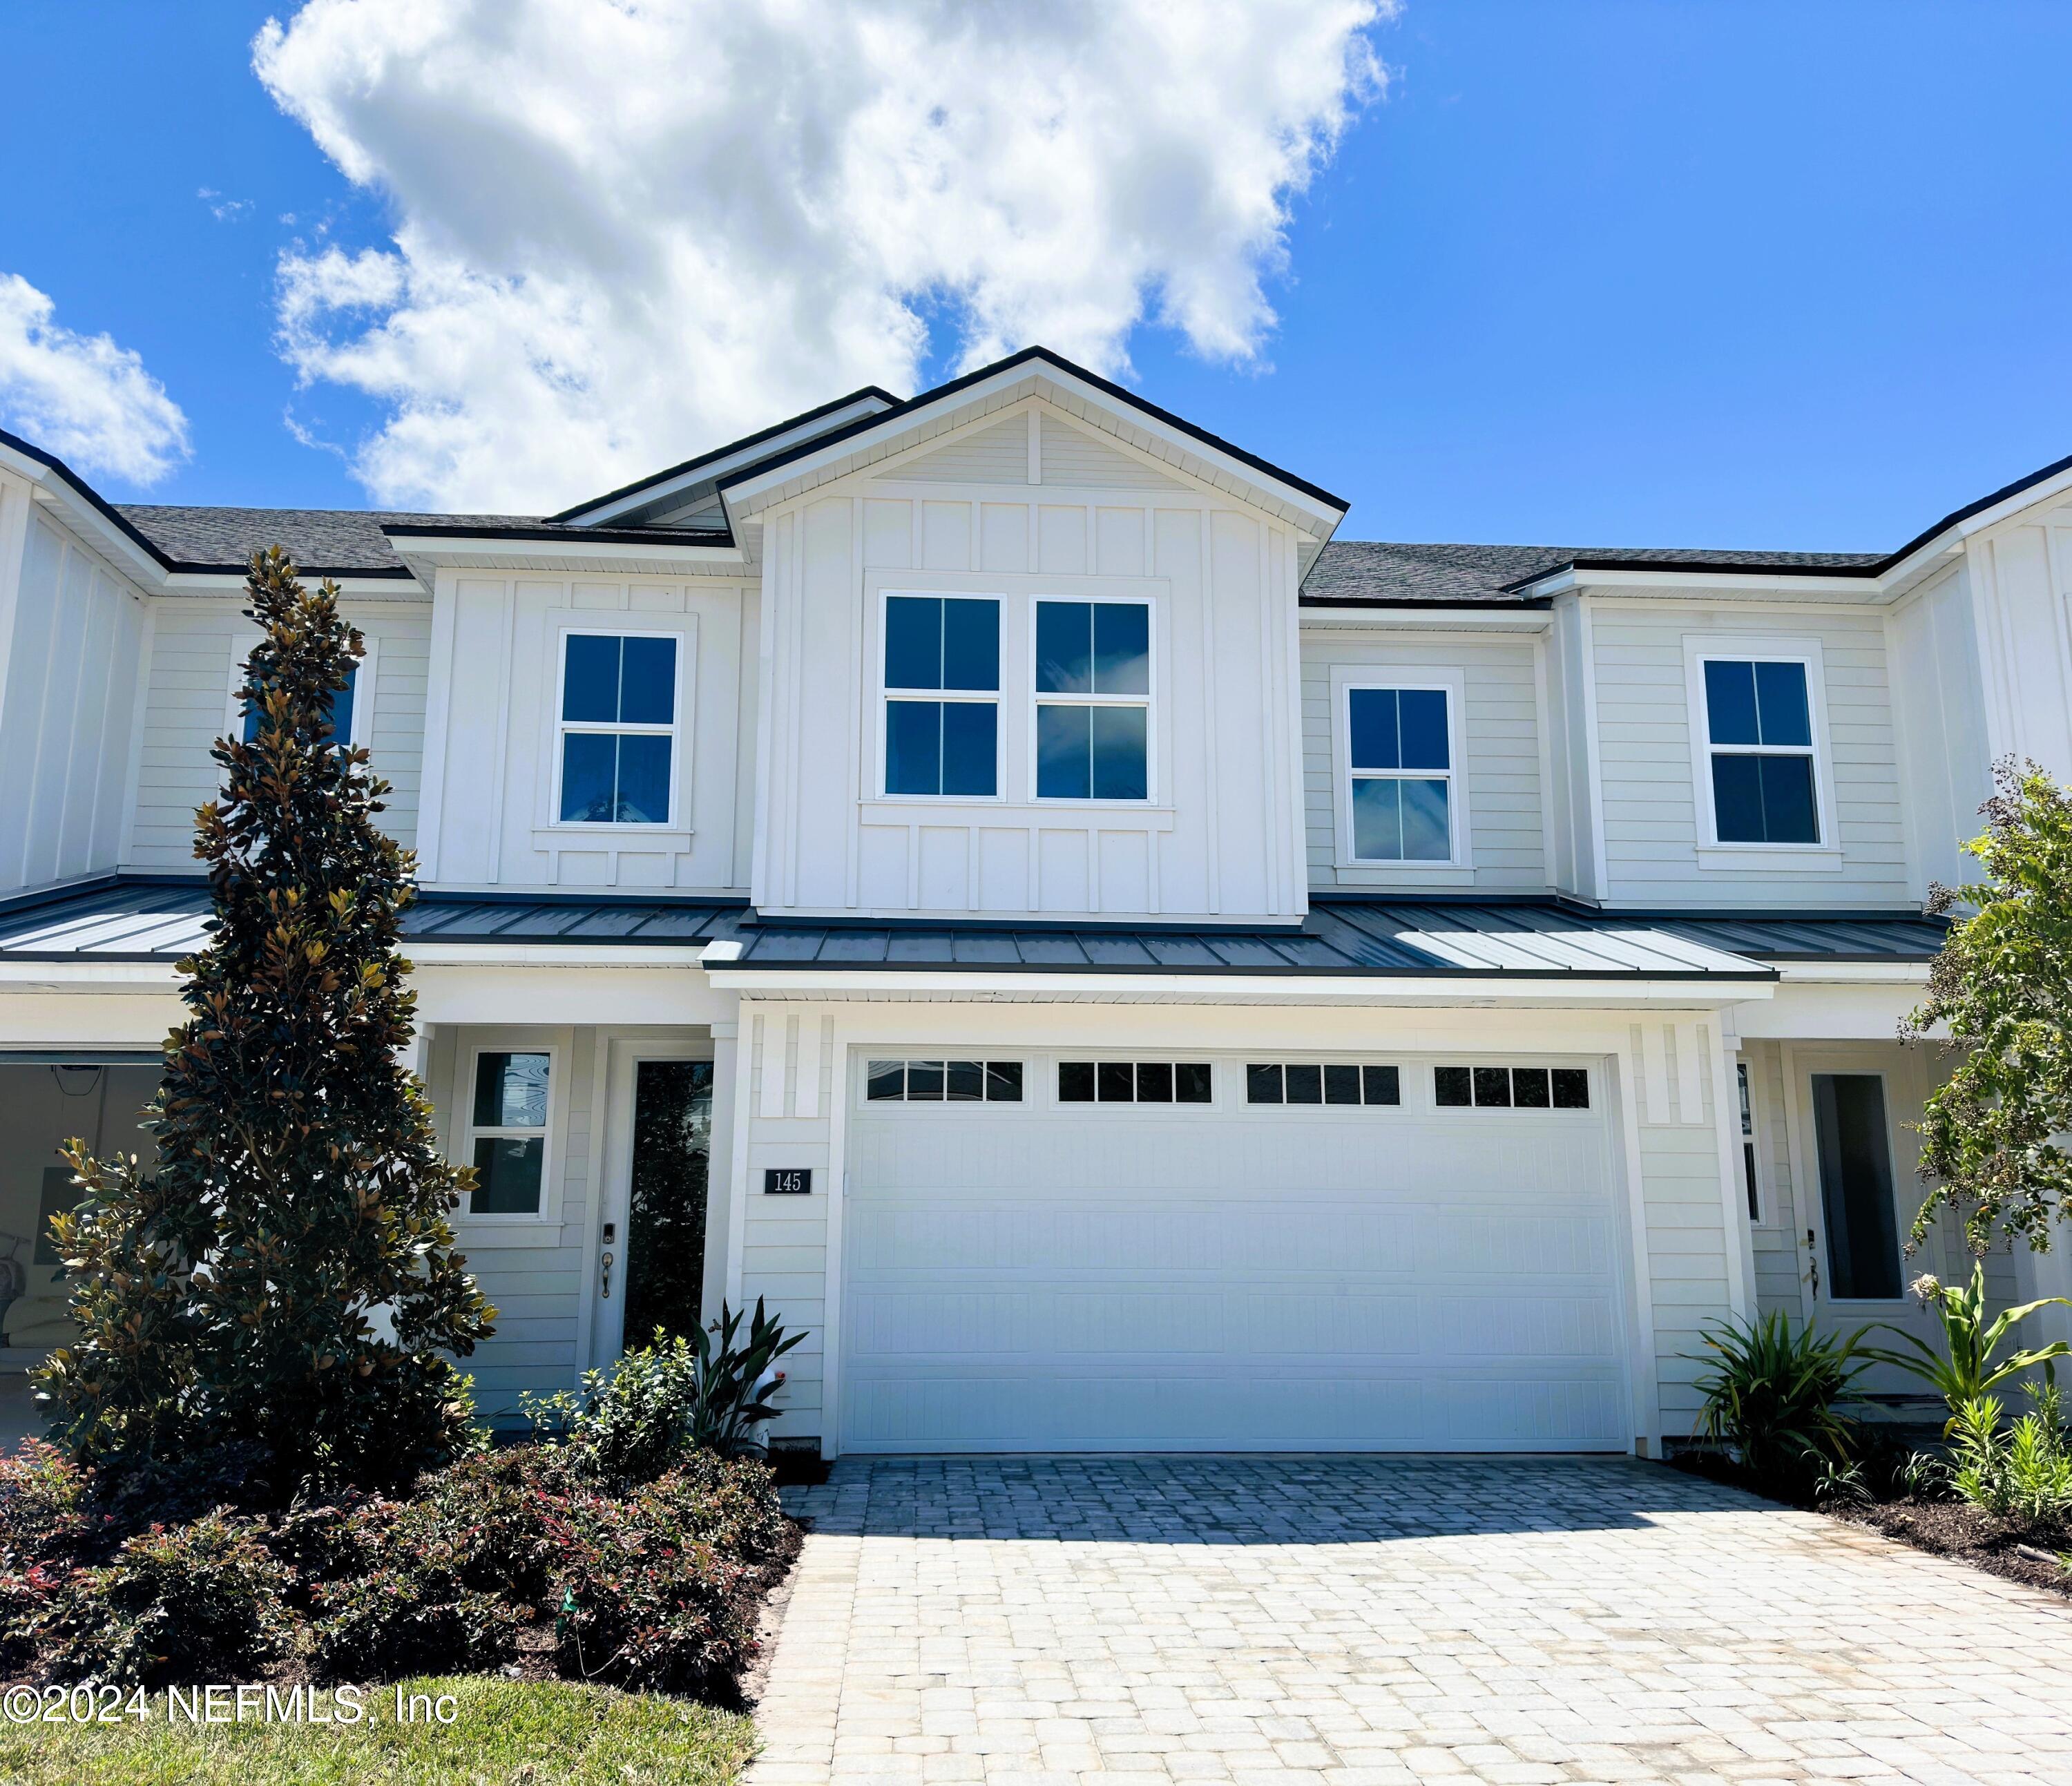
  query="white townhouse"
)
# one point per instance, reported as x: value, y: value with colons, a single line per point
x: 994, y: 876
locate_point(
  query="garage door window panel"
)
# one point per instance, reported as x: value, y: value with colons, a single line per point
x: 1511, y: 1088
x: 1334, y: 1083
x: 944, y: 1081
x: 1134, y: 1083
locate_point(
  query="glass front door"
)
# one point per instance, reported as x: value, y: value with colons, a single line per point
x: 1856, y: 1192
x: 665, y: 1226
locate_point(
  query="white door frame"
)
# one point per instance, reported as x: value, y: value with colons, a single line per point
x: 601, y: 1329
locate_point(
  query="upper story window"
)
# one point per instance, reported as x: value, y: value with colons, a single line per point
x: 341, y: 712
x: 946, y: 648
x: 1093, y: 700
x: 618, y: 728
x: 1399, y: 768
x: 1759, y: 733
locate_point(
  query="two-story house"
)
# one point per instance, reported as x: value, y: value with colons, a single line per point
x: 993, y: 875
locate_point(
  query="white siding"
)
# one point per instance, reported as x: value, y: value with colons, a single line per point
x: 67, y: 710
x: 491, y: 822
x: 1502, y: 728
x: 537, y: 1283
x: 1937, y: 689
x: 198, y: 644
x: 1220, y: 835
x: 1647, y: 735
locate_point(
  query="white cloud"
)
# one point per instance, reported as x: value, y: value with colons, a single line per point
x: 628, y: 229
x: 224, y: 210
x: 88, y: 400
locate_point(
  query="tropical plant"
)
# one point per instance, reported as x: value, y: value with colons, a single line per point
x: 286, y: 1275
x: 708, y: 1392
x: 1774, y: 1392
x: 2002, y: 985
x: 2023, y: 1470
x: 1969, y: 1365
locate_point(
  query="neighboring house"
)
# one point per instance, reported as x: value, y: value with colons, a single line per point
x: 1145, y: 974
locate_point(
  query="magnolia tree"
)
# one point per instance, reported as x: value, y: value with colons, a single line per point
x: 1992, y: 1136
x: 285, y: 1276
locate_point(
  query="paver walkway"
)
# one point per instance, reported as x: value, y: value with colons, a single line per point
x: 1133, y: 1622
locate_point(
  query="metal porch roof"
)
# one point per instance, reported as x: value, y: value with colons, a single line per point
x: 128, y: 920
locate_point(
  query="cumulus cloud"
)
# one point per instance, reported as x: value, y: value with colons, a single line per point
x: 86, y: 399
x: 625, y: 230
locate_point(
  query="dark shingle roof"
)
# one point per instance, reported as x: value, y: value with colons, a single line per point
x: 1386, y: 571
x: 341, y: 541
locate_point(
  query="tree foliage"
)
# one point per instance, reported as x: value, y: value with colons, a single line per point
x: 285, y: 1276
x: 2003, y: 985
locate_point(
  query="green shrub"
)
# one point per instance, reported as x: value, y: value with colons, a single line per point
x: 708, y: 1392
x: 42, y: 1504
x: 1774, y: 1393
x: 660, y: 1588
x: 201, y: 1602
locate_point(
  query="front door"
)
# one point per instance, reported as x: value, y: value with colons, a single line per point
x: 665, y: 1215
x: 1857, y: 1109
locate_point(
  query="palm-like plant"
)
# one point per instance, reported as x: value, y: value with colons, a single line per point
x: 1774, y: 1393
x: 1969, y: 1367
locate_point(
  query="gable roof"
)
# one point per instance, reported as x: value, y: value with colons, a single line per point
x: 1384, y: 573
x: 1034, y: 356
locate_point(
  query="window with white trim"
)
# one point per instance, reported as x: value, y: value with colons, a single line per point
x: 1093, y: 700
x: 507, y: 1131
x: 1134, y: 1083
x: 942, y: 696
x: 1400, y: 762
x: 1758, y: 724
x: 616, y: 753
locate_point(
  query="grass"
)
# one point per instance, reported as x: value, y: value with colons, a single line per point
x: 504, y: 1732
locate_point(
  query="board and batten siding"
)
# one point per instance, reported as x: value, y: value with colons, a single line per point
x: 1937, y: 682
x: 197, y: 647
x: 1501, y: 726
x: 1022, y: 507
x: 492, y: 737
x: 1647, y: 735
x: 76, y: 633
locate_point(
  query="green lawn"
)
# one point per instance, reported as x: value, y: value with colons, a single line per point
x: 503, y: 1734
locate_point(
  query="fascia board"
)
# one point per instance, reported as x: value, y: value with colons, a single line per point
x: 55, y: 491
x: 741, y: 493
x: 1315, y: 620
x: 360, y: 585
x: 489, y: 551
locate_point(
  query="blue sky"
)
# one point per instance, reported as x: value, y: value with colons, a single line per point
x: 1606, y: 272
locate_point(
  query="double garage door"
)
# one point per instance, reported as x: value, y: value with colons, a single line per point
x: 1035, y: 1276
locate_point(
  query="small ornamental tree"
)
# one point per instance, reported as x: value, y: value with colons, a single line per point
x: 285, y: 1278
x: 1991, y: 1136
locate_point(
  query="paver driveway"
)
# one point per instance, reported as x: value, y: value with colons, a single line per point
x: 1296, y: 1619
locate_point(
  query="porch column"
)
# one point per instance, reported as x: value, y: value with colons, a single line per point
x: 721, y: 1170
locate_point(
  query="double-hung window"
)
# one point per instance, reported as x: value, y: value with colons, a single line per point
x: 942, y: 696
x: 1759, y: 737
x: 341, y: 711
x: 1400, y: 764
x: 618, y: 728
x: 1093, y: 700
x: 507, y: 1131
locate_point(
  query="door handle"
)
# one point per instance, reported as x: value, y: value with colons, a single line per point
x: 604, y: 1289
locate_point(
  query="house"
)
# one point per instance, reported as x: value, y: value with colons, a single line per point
x: 995, y: 876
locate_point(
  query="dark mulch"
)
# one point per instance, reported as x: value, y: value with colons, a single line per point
x: 2002, y: 1547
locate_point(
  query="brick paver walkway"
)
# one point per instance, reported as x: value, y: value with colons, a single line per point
x: 1133, y: 1622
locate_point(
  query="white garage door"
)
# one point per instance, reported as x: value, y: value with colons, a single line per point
x: 1039, y: 1277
